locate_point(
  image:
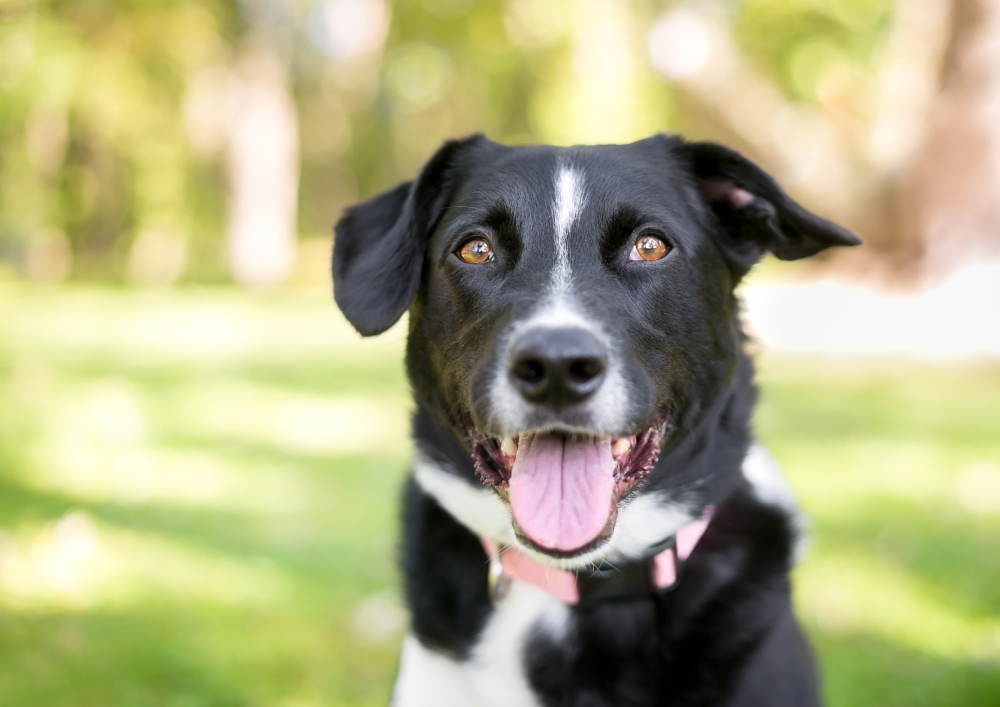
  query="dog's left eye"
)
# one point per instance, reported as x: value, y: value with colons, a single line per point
x: 475, y: 251
x: 648, y: 247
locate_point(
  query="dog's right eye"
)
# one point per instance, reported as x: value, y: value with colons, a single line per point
x: 476, y: 251
x: 649, y: 247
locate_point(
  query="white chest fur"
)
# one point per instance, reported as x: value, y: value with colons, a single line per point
x: 494, y: 674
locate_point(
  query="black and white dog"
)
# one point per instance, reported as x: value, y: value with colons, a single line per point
x: 589, y: 521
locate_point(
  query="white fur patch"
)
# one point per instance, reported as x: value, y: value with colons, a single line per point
x: 430, y: 679
x: 556, y: 314
x: 477, y: 508
x: 493, y: 676
x: 644, y: 522
x: 498, y: 659
x: 771, y: 488
x: 567, y: 206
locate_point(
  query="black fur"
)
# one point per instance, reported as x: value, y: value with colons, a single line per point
x: 443, y: 555
x: 725, y: 635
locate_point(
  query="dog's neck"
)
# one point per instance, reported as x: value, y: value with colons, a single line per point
x: 658, y: 573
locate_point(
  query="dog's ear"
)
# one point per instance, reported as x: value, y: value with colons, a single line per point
x: 379, y: 244
x: 755, y: 214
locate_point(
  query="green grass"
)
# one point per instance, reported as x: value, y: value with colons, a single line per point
x: 198, y: 497
x: 898, y: 466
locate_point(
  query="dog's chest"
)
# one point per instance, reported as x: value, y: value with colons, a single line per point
x: 494, y: 673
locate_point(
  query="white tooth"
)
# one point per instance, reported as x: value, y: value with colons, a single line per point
x: 621, y: 446
x: 508, y: 446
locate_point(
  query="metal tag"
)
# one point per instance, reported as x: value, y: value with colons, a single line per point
x: 499, y: 583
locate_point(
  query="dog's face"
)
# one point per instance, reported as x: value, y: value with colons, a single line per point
x: 571, y: 309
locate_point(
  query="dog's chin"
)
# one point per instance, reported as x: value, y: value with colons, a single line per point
x: 563, y: 489
x: 581, y: 555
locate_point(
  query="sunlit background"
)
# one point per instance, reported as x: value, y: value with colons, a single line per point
x: 200, y: 461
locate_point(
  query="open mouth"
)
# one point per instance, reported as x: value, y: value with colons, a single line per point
x: 564, y: 489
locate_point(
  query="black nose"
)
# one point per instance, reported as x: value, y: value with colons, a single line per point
x: 557, y: 367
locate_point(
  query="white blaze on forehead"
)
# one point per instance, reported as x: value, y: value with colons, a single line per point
x: 568, y: 202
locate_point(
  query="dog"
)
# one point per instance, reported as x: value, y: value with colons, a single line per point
x: 589, y: 520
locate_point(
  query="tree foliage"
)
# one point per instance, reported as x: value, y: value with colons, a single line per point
x: 114, y: 114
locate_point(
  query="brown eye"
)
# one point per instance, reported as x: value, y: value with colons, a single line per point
x: 648, y: 248
x: 476, y: 250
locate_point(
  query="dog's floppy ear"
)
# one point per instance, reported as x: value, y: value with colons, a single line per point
x: 379, y: 244
x: 756, y: 215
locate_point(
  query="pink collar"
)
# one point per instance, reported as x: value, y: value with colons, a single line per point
x: 510, y: 564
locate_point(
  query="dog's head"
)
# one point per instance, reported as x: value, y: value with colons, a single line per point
x: 571, y: 309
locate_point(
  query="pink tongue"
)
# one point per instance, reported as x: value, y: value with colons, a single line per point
x: 561, y: 490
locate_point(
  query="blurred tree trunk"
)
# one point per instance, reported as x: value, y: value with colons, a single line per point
x: 263, y: 161
x: 949, y: 208
x: 936, y: 204
x: 917, y: 173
